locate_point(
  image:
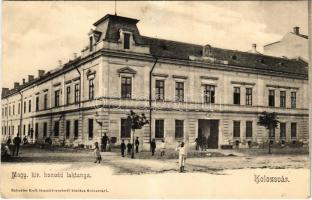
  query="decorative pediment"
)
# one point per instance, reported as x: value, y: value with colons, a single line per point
x: 126, y: 70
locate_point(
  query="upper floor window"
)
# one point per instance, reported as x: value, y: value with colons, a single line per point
x: 68, y: 95
x: 209, y: 93
x: 126, y: 86
x: 9, y: 110
x: 271, y: 98
x: 77, y: 96
x: 24, y: 106
x: 91, y: 89
x: 179, y: 92
x: 283, y: 99
x: 249, y: 96
x: 126, y: 41
x: 29, y: 106
x: 160, y: 90
x: 19, y: 108
x: 293, y: 99
x: 57, y: 98
x: 45, y: 103
x: 13, y: 109
x: 37, y: 103
x: 6, y: 110
x: 236, y: 95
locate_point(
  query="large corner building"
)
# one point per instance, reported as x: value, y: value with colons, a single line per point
x: 185, y: 90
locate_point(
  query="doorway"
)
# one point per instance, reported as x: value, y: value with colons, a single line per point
x: 208, y: 131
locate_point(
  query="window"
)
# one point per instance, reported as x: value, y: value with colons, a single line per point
x: 19, y: 108
x: 5, y: 130
x: 57, y: 98
x: 45, y: 101
x: 13, y: 109
x: 209, y: 93
x: 24, y: 129
x: 9, y: 110
x: 36, y: 130
x: 179, y: 92
x: 248, y: 129
x: 56, y: 128
x: 126, y: 87
x: 45, y: 129
x: 77, y: 96
x: 160, y: 90
x: 283, y: 99
x: 283, y: 130
x: 67, y: 129
x: 9, y: 130
x: 91, y: 44
x: 179, y: 129
x: 29, y: 129
x: 91, y: 89
x: 126, y: 41
x: 29, y: 106
x: 236, y: 96
x: 236, y: 129
x: 6, y: 111
x: 12, y: 130
x: 76, y: 129
x: 68, y: 95
x: 18, y: 129
x: 271, y: 98
x: 293, y: 99
x: 90, y: 128
x: 159, y: 128
x: 125, y: 129
x: 293, y: 130
x: 249, y: 96
x: 37, y: 103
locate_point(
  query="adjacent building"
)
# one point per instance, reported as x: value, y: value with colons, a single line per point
x: 293, y: 45
x: 185, y: 90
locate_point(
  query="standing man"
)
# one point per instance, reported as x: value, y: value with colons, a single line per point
x: 182, y: 156
x: 17, y: 142
x: 137, y: 143
x: 122, y: 148
x: 104, y: 142
x: 153, y: 146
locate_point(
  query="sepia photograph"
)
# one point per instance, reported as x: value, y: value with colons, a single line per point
x: 155, y: 99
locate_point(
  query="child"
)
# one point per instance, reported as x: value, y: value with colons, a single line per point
x: 97, y: 153
x: 122, y: 148
x: 129, y: 147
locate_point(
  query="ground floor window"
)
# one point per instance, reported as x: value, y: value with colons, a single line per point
x: 236, y: 129
x: 45, y: 129
x: 159, y: 128
x: 282, y: 130
x: 90, y: 128
x: 36, y: 130
x: 56, y: 128
x: 76, y: 129
x: 293, y: 130
x: 179, y: 129
x: 125, y: 129
x: 67, y: 129
x: 248, y: 129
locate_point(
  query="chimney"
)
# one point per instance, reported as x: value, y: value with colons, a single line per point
x: 24, y: 81
x: 60, y: 63
x: 40, y: 73
x: 296, y: 30
x: 4, y: 91
x: 30, y: 78
x: 16, y: 84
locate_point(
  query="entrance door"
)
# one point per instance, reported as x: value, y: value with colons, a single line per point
x: 208, y: 133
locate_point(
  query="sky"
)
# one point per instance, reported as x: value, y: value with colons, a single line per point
x: 35, y: 35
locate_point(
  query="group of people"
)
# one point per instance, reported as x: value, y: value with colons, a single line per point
x: 15, y: 147
x: 201, y: 142
x: 123, y: 147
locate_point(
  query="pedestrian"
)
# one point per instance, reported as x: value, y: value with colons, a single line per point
x: 182, y: 156
x: 197, y: 144
x: 97, y: 153
x: 9, y: 141
x: 162, y: 148
x: 204, y: 143
x: 129, y: 147
x: 25, y: 140
x: 137, y: 143
x: 104, y: 142
x: 17, y: 143
x: 122, y: 148
x: 153, y: 146
x: 109, y: 144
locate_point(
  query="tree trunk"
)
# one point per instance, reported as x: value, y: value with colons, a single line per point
x: 132, y: 153
x: 270, y: 133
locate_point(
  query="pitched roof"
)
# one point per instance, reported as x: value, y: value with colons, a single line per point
x: 180, y: 50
